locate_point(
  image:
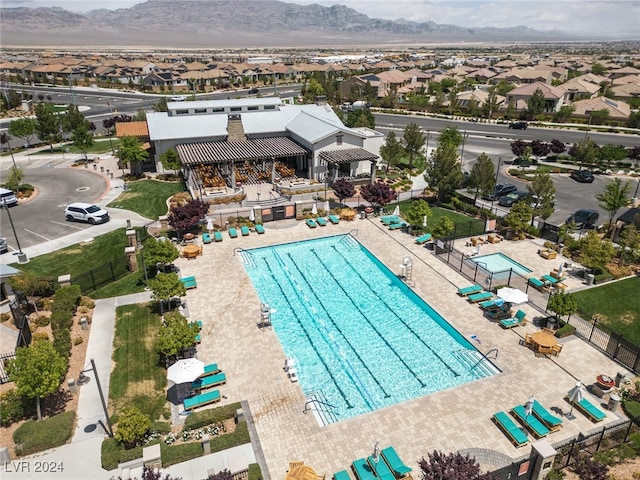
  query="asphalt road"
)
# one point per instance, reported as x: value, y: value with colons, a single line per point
x: 42, y: 218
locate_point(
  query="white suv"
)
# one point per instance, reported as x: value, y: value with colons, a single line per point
x: 85, y: 212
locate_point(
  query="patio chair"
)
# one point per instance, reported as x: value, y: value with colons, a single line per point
x: 334, y: 219
x: 209, y: 381
x: 530, y: 421
x: 392, y: 458
x: 210, y: 369
x: 556, y: 349
x: 217, y: 236
x: 479, y: 297
x: 390, y: 219
x: 508, y: 426
x: 501, y: 313
x: 381, y: 469
x: 469, y: 290
x: 233, y: 233
x: 311, y: 223
x: 590, y: 410
x: 539, y: 284
x: 201, y: 400
x: 259, y: 229
x: 206, y: 238
x: 423, y: 238
x: 363, y: 470
x: 549, y: 279
x: 321, y: 221
x: 397, y: 226
x: 518, y: 319
x: 552, y: 422
x: 341, y: 475
x: 244, y: 230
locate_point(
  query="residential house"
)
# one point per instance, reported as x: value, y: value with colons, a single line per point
x: 618, y: 110
x: 578, y: 89
x: 525, y: 75
x: 554, y: 96
x: 622, y: 72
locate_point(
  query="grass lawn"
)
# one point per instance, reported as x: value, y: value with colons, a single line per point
x: 470, y: 229
x: 137, y: 378
x: 100, y: 146
x: 147, y: 197
x: 618, y: 303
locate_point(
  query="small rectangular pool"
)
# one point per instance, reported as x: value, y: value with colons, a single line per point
x: 499, y: 262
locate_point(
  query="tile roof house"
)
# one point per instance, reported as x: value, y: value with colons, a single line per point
x: 554, y: 96
x: 618, y: 110
x: 479, y: 96
x: 626, y: 79
x: 527, y: 75
x: 626, y: 91
x: 624, y: 71
x: 578, y: 89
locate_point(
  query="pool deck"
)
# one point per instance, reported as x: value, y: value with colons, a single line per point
x: 455, y: 419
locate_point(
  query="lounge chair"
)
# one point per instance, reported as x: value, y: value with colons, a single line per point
x: 189, y: 282
x: 500, y: 313
x: 201, y: 400
x: 244, y: 230
x: 390, y: 219
x: 341, y: 475
x: 552, y: 422
x: 311, y: 223
x: 518, y: 319
x: 539, y: 284
x: 590, y: 410
x: 363, y: 470
x: 423, y: 238
x: 233, y: 233
x: 259, y: 229
x: 479, y: 297
x: 198, y: 338
x: 494, y: 238
x: 321, y: 221
x: 381, y: 469
x: 397, y: 226
x: 209, y: 381
x: 504, y: 422
x: 395, y: 464
x: 469, y: 290
x: 530, y: 421
x: 197, y: 324
x: 217, y: 236
x: 210, y: 369
x: 549, y: 279
x: 494, y: 304
x: 206, y: 238
x: 334, y: 219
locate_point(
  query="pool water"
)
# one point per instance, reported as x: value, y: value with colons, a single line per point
x: 361, y: 339
x: 499, y: 262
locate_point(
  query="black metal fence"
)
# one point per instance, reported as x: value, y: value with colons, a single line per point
x: 102, y: 275
x: 521, y: 470
x: 4, y: 377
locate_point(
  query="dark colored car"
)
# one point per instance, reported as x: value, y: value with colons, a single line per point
x: 582, y: 176
x: 501, y: 190
x: 584, y: 218
x: 518, y: 125
x: 253, y: 91
x: 512, y: 198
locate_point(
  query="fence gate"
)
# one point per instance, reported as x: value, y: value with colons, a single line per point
x: 522, y: 470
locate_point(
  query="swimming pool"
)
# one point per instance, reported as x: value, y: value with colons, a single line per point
x: 361, y: 339
x: 499, y: 262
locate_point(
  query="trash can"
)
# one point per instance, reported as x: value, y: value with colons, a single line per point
x: 22, y: 257
x: 619, y: 378
x: 614, y: 402
x: 362, y: 215
x: 590, y: 278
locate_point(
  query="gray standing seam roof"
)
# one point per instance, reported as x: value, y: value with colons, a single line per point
x: 224, y: 151
x: 346, y: 155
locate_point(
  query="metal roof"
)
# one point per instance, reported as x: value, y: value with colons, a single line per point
x: 346, y: 155
x: 184, y: 127
x: 236, y: 102
x: 224, y: 151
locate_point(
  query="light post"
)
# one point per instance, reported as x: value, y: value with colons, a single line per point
x: 496, y: 183
x: 428, y: 135
x: 465, y: 135
x: 22, y: 257
x: 83, y: 379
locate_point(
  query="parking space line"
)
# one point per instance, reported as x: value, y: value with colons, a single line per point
x: 67, y: 225
x: 37, y: 234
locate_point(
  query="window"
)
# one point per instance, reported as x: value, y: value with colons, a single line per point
x: 252, y: 108
x: 182, y: 112
x: 339, y: 139
x: 236, y: 109
x: 269, y: 107
x: 200, y: 110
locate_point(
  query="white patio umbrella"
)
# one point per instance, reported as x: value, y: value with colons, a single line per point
x: 185, y: 370
x: 424, y: 221
x: 327, y: 207
x: 528, y: 407
x: 575, y: 395
x: 512, y: 295
x: 376, y: 452
x: 396, y: 211
x: 252, y: 216
x: 209, y: 225
x: 314, y: 209
x: 560, y: 269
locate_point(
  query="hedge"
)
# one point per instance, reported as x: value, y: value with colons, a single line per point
x: 254, y: 472
x: 37, y: 435
x: 14, y: 407
x: 114, y: 453
x: 213, y: 415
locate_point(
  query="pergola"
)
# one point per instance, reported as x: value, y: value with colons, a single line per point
x: 335, y: 158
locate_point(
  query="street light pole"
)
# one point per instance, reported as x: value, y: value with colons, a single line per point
x: 104, y: 405
x: 22, y: 258
x: 496, y: 182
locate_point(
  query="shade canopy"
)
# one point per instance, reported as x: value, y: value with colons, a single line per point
x: 327, y: 207
x: 252, y: 216
x: 314, y: 209
x: 209, y: 224
x: 512, y: 295
x: 396, y: 211
x: 576, y: 394
x: 185, y: 370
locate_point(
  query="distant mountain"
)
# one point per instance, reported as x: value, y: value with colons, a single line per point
x: 235, y: 23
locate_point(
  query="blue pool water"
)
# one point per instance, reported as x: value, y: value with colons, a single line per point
x: 499, y: 262
x: 361, y: 339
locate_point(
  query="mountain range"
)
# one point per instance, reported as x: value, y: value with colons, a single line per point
x: 237, y: 24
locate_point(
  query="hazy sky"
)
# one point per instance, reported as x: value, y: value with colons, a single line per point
x: 608, y: 17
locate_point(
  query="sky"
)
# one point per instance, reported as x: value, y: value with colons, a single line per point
x: 604, y: 17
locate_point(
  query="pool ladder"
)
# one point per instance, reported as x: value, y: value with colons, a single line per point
x: 324, y: 414
x: 485, y: 356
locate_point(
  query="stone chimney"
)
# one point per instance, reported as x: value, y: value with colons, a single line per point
x: 235, y: 130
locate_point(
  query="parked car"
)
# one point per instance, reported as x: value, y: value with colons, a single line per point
x: 501, y: 190
x: 511, y: 198
x: 178, y: 98
x: 584, y: 218
x: 518, y: 125
x: 8, y: 198
x: 253, y: 91
x: 582, y: 176
x: 3, y: 245
x: 85, y: 212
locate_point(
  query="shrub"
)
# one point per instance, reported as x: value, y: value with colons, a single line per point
x: 35, y: 436
x: 632, y: 409
x: 172, y: 454
x: 588, y: 469
x: 14, y: 407
x: 42, y: 321
x: 223, y: 475
x: 77, y: 341
x: 113, y: 454
x: 254, y: 472
x: 40, y: 336
x: 132, y: 427
x: 87, y: 302
x: 214, y: 415
x: 565, y: 330
x: 4, y: 316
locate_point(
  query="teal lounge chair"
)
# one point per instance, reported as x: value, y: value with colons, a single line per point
x: 341, y: 475
x: 469, y: 290
x: 233, y: 233
x: 321, y: 221
x: 381, y: 469
x: 530, y: 421
x: 423, y: 238
x: 518, y: 319
x: 259, y: 229
x: 189, y: 282
x: 217, y: 236
x: 311, y: 223
x: 209, y: 381
x: 198, y: 338
x: 201, y: 400
x: 206, y: 238
x: 500, y: 313
x: 188, y: 279
x: 504, y: 422
x: 590, y: 410
x: 396, y: 465
x: 244, y: 230
x: 390, y: 219
x: 479, y: 297
x: 549, y: 279
x: 493, y: 304
x: 363, y: 470
x: 397, y: 226
x: 198, y: 324
x: 539, y: 284
x: 210, y: 369
x: 334, y: 219
x: 552, y: 422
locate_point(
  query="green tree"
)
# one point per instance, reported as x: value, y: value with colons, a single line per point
x: 361, y: 117
x: 629, y: 243
x: 438, y: 101
x: 131, y: 152
x: 600, y: 117
x: 504, y: 87
x: 73, y: 120
x: 564, y: 114
x: 24, y: 127
x: 16, y: 175
x: 609, y: 153
x: 454, y: 101
x: 48, y: 129
x: 312, y: 90
x: 519, y: 218
x: 510, y: 111
x: 443, y: 228
x: 614, y: 196
x: 544, y: 192
x: 563, y: 304
x: 37, y: 371
x: 82, y: 140
x: 598, y: 69
x: 413, y: 141
x: 165, y: 286
x: 392, y: 150
x: 482, y: 179
x: 176, y: 335
x: 491, y: 103
x: 132, y: 427
x: 161, y: 105
x: 451, y: 135
x: 584, y: 152
x: 443, y: 172
x: 139, y: 116
x: 159, y: 253
x: 595, y: 252
x: 536, y: 103
x: 170, y: 159
x: 416, y: 213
